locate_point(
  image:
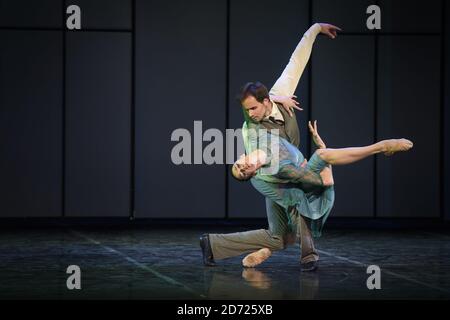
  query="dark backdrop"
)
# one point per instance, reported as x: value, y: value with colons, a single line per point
x: 86, y: 116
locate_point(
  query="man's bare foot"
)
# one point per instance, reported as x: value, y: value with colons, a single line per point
x: 327, y: 176
x: 256, y: 258
x: 395, y: 145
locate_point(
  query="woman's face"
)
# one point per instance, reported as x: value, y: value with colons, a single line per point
x: 244, y: 168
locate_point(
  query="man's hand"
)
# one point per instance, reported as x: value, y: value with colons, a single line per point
x: 289, y: 103
x: 315, y: 135
x: 304, y: 163
x: 329, y: 30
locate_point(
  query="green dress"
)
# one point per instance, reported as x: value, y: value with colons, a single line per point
x: 311, y: 201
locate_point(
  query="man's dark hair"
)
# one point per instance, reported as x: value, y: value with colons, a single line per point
x: 240, y: 180
x: 255, y: 89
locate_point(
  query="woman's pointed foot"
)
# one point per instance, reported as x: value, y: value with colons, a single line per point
x: 396, y: 145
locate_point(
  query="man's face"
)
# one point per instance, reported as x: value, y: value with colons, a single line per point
x: 256, y: 110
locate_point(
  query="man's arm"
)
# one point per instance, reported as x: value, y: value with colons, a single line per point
x: 288, y: 81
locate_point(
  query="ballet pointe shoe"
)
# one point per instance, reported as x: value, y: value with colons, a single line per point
x: 256, y: 258
x: 396, y: 145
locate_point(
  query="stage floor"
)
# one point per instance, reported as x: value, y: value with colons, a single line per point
x: 165, y: 263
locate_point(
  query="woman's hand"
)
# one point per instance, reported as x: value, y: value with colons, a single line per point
x: 315, y: 135
x: 289, y: 103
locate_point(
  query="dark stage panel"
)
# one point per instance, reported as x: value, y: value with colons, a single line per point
x: 343, y: 105
x: 180, y: 78
x: 408, y: 16
x: 446, y: 115
x: 98, y: 111
x: 31, y: 13
x: 259, y: 51
x: 165, y: 263
x: 349, y: 15
x: 30, y: 123
x: 409, y: 106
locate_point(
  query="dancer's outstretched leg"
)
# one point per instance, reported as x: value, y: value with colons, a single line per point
x: 349, y: 155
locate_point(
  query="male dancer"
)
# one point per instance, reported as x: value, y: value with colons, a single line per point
x: 271, y: 115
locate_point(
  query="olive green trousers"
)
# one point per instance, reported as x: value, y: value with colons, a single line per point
x: 284, y: 228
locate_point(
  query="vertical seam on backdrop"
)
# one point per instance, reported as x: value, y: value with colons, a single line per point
x: 375, y: 120
x: 310, y: 91
x: 63, y: 124
x: 227, y: 100
x: 132, y: 111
